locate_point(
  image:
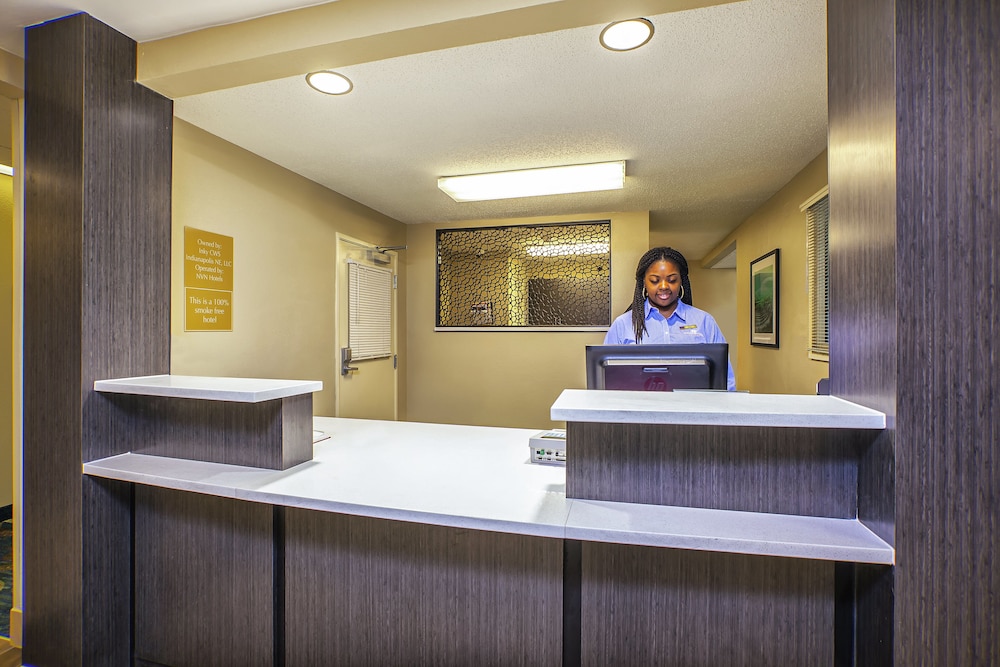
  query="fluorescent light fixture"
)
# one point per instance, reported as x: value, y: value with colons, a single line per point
x: 571, y: 249
x: 6, y: 171
x: 535, y: 182
x: 626, y: 35
x: 331, y: 83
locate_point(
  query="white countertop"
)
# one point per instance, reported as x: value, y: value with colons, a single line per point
x: 482, y: 478
x: 713, y: 408
x: 240, y: 390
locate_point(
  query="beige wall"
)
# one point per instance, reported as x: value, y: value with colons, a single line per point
x: 9, y: 286
x: 715, y: 292
x: 11, y: 218
x: 7, y: 282
x: 11, y: 76
x: 284, y: 229
x: 777, y: 224
x: 501, y: 378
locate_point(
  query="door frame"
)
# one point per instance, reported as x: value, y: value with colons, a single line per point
x: 340, y: 309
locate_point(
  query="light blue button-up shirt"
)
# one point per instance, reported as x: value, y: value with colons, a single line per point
x: 686, y: 324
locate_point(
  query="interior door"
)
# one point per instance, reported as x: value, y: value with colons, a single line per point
x: 369, y: 389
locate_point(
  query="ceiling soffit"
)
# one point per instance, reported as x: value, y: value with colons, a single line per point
x: 349, y: 32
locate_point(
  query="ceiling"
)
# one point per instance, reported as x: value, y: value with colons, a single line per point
x: 721, y: 109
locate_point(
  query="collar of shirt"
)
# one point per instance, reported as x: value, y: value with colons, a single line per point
x: 681, y: 312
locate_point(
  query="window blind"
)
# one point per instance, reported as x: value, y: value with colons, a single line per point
x: 369, y: 325
x: 818, y: 259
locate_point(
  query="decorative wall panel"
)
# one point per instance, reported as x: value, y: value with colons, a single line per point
x: 204, y: 580
x: 556, y: 275
x: 364, y: 591
x: 649, y: 606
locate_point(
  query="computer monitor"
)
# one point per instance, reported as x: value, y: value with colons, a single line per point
x: 658, y: 367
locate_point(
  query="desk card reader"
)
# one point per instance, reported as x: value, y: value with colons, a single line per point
x: 549, y: 447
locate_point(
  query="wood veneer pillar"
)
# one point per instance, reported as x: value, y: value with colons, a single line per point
x: 96, y: 305
x: 915, y: 262
x: 863, y: 335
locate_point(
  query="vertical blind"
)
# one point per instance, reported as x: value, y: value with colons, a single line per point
x: 818, y: 259
x: 369, y: 323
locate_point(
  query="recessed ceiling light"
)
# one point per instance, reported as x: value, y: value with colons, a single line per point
x: 535, y: 182
x: 626, y: 35
x: 331, y: 83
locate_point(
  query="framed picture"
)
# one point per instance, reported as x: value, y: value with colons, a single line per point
x: 764, y: 300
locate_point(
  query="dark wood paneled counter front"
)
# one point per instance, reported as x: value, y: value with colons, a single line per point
x: 776, y: 464
x: 412, y: 544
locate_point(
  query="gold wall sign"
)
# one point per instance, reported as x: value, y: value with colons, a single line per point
x: 208, y: 260
x: 208, y: 281
x: 207, y: 310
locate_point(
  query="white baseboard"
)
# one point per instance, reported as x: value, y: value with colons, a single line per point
x: 15, y: 627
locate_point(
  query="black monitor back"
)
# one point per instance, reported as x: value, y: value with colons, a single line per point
x: 661, y: 367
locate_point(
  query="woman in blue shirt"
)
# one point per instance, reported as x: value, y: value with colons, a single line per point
x: 661, y: 310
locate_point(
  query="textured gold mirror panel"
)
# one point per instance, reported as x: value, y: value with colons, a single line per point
x: 547, y: 275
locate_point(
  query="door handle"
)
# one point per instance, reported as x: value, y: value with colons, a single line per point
x: 345, y: 361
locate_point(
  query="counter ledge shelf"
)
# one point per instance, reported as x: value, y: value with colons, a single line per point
x: 479, y: 478
x: 256, y: 422
x: 241, y: 390
x: 713, y: 408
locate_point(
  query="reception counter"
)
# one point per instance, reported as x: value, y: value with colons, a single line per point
x: 409, y: 543
x: 481, y: 478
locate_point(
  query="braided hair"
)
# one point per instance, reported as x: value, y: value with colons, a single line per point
x: 651, y: 257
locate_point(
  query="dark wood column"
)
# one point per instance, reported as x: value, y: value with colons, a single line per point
x: 948, y: 276
x: 863, y: 365
x: 914, y: 178
x: 96, y: 306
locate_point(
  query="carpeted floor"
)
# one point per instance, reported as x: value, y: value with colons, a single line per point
x: 6, y: 574
x: 9, y: 656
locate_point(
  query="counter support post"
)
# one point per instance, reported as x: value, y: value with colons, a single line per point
x: 97, y: 170
x: 572, y: 572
